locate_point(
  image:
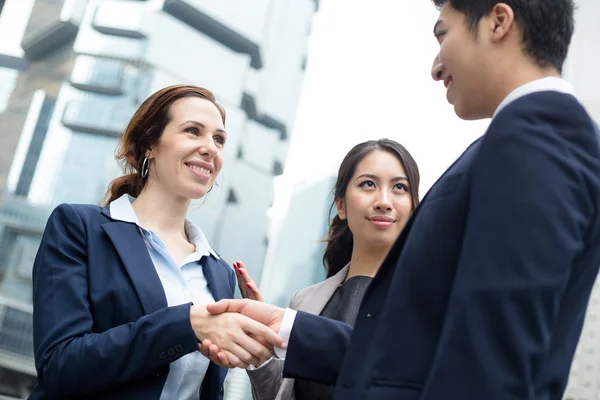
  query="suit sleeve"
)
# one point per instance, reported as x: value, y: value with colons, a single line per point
x: 316, y: 348
x: 527, y: 216
x: 71, y: 358
x: 266, y: 380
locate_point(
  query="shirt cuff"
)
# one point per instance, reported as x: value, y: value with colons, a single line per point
x: 285, y: 330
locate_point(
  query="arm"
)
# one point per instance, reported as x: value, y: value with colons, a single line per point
x: 266, y: 380
x: 527, y: 217
x: 316, y: 348
x: 71, y: 359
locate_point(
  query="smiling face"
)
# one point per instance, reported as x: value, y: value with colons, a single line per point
x: 189, y: 155
x: 463, y: 65
x: 377, y: 202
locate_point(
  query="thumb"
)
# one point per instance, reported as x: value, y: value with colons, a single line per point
x: 226, y: 305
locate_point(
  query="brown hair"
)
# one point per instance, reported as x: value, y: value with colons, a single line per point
x: 144, y: 131
x: 340, y: 241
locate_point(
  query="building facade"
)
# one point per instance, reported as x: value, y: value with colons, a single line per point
x: 70, y: 79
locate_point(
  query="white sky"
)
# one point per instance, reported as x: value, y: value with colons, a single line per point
x: 368, y: 76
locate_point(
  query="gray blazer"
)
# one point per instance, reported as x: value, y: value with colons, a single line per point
x: 268, y: 382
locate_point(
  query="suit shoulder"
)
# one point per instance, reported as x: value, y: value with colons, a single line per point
x: 307, y: 292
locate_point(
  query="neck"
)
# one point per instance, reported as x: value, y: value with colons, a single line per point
x: 366, y: 261
x: 161, y: 212
x: 517, y: 75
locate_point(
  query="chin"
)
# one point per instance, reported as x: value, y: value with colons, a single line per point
x: 467, y: 113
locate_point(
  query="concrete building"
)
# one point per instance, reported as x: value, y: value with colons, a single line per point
x: 72, y: 74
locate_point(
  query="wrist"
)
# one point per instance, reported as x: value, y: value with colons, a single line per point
x: 198, y: 319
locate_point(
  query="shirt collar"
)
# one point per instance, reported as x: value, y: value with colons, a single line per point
x: 549, y: 83
x: 122, y: 210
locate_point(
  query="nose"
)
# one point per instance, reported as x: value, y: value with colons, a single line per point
x: 437, y: 69
x: 383, y: 202
x: 208, y: 147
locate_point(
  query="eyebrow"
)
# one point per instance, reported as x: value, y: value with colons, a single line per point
x: 201, y: 125
x: 375, y: 177
x: 439, y: 21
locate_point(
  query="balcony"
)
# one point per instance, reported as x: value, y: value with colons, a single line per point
x: 191, y: 14
x: 56, y: 32
x: 98, y: 75
x: 98, y: 116
x: 119, y: 18
x: 16, y: 336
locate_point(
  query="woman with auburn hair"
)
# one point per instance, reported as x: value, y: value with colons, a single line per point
x: 120, y: 291
x: 376, y: 191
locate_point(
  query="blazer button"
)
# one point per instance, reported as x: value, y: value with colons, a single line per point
x: 178, y: 348
x: 171, y: 352
x: 369, y: 315
x: 162, y: 355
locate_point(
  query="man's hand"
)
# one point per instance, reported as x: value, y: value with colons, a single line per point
x: 245, y: 341
x: 264, y: 313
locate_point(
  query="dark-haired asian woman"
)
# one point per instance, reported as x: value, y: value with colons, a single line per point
x: 375, y: 193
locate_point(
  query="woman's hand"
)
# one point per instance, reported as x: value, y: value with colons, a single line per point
x: 244, y: 340
x: 248, y: 287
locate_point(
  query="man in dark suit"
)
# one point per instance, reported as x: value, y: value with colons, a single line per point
x: 483, y: 295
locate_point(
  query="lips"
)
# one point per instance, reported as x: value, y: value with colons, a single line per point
x: 201, y: 169
x: 448, y: 81
x: 381, y: 221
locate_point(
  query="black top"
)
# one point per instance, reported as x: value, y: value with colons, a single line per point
x: 343, y: 306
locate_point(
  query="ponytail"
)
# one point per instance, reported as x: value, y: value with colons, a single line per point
x: 131, y: 184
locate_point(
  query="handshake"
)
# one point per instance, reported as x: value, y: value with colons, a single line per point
x: 237, y: 333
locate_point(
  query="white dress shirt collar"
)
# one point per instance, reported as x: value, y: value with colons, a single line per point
x: 549, y: 83
x: 121, y: 209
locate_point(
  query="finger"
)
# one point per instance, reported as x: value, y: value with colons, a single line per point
x: 244, y: 355
x: 227, y: 305
x: 222, y: 357
x: 240, y: 280
x: 258, y: 329
x: 258, y: 350
x: 255, y: 292
x: 233, y: 360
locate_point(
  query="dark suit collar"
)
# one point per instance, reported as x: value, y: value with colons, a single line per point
x: 129, y: 243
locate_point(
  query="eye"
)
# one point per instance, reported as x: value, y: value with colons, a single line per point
x: 401, y: 186
x: 367, y: 183
x: 439, y: 36
x: 220, y: 139
x: 192, y: 130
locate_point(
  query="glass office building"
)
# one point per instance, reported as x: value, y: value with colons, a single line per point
x: 71, y: 75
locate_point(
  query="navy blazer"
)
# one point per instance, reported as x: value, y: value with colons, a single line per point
x: 483, y: 295
x: 101, y: 325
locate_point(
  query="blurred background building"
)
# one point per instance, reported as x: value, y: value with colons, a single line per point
x: 584, y: 381
x: 72, y: 72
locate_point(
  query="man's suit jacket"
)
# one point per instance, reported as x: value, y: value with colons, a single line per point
x: 484, y: 293
x: 101, y: 325
x: 268, y: 382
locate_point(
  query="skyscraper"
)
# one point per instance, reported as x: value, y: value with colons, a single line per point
x: 75, y: 73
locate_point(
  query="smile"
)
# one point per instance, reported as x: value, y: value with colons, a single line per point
x: 201, y: 171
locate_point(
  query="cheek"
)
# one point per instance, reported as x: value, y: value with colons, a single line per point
x: 403, y: 208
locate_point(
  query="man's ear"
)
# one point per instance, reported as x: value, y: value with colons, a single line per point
x: 501, y: 20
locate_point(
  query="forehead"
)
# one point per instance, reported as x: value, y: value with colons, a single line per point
x: 195, y: 109
x: 380, y: 162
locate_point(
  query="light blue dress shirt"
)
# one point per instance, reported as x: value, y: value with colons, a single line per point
x: 182, y: 284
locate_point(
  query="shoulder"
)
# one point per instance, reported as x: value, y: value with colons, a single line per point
x: 326, y: 287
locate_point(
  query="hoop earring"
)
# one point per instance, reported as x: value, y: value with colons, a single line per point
x: 145, y: 167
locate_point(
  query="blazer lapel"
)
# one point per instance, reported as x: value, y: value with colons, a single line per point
x: 130, y: 246
x: 317, y: 299
x: 219, y: 288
